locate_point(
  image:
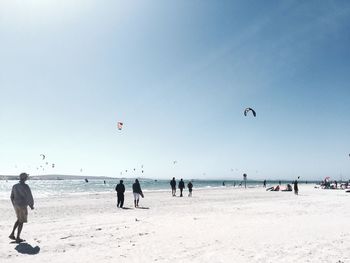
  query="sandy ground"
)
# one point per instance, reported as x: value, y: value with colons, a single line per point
x: 215, y: 225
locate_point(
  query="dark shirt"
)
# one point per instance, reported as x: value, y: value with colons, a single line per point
x: 295, y: 185
x: 173, y: 183
x: 190, y: 185
x: 120, y: 188
x: 21, y: 195
x: 136, y: 188
x: 181, y: 184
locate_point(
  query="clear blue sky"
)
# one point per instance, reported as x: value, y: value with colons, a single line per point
x: 179, y: 74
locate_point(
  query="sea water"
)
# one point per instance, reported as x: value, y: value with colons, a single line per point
x: 44, y: 188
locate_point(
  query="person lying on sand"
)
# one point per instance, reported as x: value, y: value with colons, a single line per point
x: 276, y: 188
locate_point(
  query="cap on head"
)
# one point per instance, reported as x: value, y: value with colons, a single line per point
x: 23, y: 176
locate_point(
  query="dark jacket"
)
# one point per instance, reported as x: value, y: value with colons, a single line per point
x: 120, y: 188
x: 173, y: 183
x: 181, y: 185
x: 190, y: 186
x: 136, y: 188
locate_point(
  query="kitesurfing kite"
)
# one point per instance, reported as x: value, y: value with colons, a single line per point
x: 53, y: 165
x: 249, y: 109
x: 175, y: 162
x: 120, y: 125
x: 43, y: 156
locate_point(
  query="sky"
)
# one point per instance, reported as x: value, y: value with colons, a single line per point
x: 179, y: 75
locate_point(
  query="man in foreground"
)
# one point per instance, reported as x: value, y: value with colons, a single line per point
x: 21, y: 197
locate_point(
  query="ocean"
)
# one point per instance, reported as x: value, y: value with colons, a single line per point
x: 45, y: 188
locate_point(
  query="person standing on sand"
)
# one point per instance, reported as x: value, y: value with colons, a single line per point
x: 120, y: 188
x: 265, y: 183
x: 136, y: 189
x: 173, y: 186
x: 296, y: 189
x: 190, y: 186
x: 181, y: 186
x: 21, y: 197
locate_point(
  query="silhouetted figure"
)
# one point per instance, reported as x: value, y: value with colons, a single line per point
x: 136, y: 189
x: 181, y: 186
x: 173, y: 186
x: 245, y: 180
x: 336, y: 184
x: 296, y: 189
x: 120, y: 188
x: 264, y: 183
x: 223, y: 183
x: 189, y: 186
x: 279, y: 182
x: 234, y: 183
x: 21, y: 198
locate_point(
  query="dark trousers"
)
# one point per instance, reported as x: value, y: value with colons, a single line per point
x: 181, y: 191
x: 120, y: 200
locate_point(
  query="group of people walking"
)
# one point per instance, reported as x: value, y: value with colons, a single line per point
x: 181, y: 187
x: 136, y: 190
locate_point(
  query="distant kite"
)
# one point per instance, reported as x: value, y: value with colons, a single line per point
x: 47, y: 163
x: 175, y: 162
x: 53, y: 165
x: 43, y: 156
x: 249, y: 109
x: 142, y: 171
x: 120, y: 125
x: 81, y: 170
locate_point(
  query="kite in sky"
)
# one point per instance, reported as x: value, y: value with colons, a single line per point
x: 249, y: 109
x: 120, y: 125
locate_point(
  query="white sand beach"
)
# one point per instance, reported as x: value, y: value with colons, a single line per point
x: 215, y: 225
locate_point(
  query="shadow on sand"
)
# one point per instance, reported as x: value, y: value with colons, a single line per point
x: 25, y: 248
x: 142, y: 207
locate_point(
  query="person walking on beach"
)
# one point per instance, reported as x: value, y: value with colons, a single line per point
x: 173, y: 186
x: 296, y: 189
x: 120, y: 188
x: 181, y: 186
x: 264, y: 183
x: 190, y: 186
x: 21, y: 198
x: 136, y: 189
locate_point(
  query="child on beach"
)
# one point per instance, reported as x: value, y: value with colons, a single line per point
x: 189, y: 186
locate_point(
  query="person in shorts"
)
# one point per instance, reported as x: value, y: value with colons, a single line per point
x: 21, y: 198
x: 136, y: 189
